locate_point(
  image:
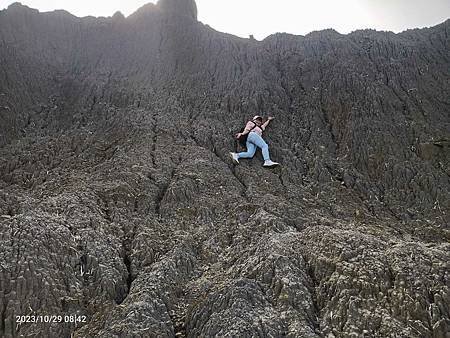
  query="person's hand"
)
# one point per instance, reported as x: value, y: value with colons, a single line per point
x: 238, y: 135
x: 270, y: 118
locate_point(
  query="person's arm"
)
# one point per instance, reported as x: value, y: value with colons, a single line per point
x: 249, y: 126
x: 264, y: 126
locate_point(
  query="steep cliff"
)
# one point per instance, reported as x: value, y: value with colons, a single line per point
x: 118, y: 200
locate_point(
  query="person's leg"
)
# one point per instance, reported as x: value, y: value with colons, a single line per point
x: 251, y: 149
x: 259, y: 142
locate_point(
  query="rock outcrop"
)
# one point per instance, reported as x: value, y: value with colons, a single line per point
x: 180, y: 7
x: 121, y: 212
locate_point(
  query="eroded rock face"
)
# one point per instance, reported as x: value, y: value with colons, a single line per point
x: 118, y: 200
x: 181, y: 7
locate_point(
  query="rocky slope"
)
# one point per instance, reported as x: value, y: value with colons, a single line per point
x: 119, y: 204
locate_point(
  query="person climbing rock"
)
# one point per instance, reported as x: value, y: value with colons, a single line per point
x: 251, y: 136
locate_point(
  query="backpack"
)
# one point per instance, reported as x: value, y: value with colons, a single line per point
x: 243, y: 139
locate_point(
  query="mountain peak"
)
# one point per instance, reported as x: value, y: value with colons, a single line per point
x: 118, y: 16
x: 17, y: 7
x: 182, y: 7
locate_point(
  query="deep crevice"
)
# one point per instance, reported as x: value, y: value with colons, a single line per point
x: 162, y: 193
x: 2, y: 321
x: 178, y: 318
x: 313, y: 292
x: 130, y: 279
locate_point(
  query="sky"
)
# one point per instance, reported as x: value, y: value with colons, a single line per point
x: 264, y: 17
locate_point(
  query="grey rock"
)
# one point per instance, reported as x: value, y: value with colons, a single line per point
x: 119, y: 203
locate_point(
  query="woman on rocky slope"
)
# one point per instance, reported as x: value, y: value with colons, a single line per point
x: 252, y: 135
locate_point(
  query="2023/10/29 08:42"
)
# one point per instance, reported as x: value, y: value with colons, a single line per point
x: 50, y: 319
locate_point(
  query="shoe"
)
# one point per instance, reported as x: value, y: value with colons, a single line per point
x: 235, y: 158
x: 270, y: 163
